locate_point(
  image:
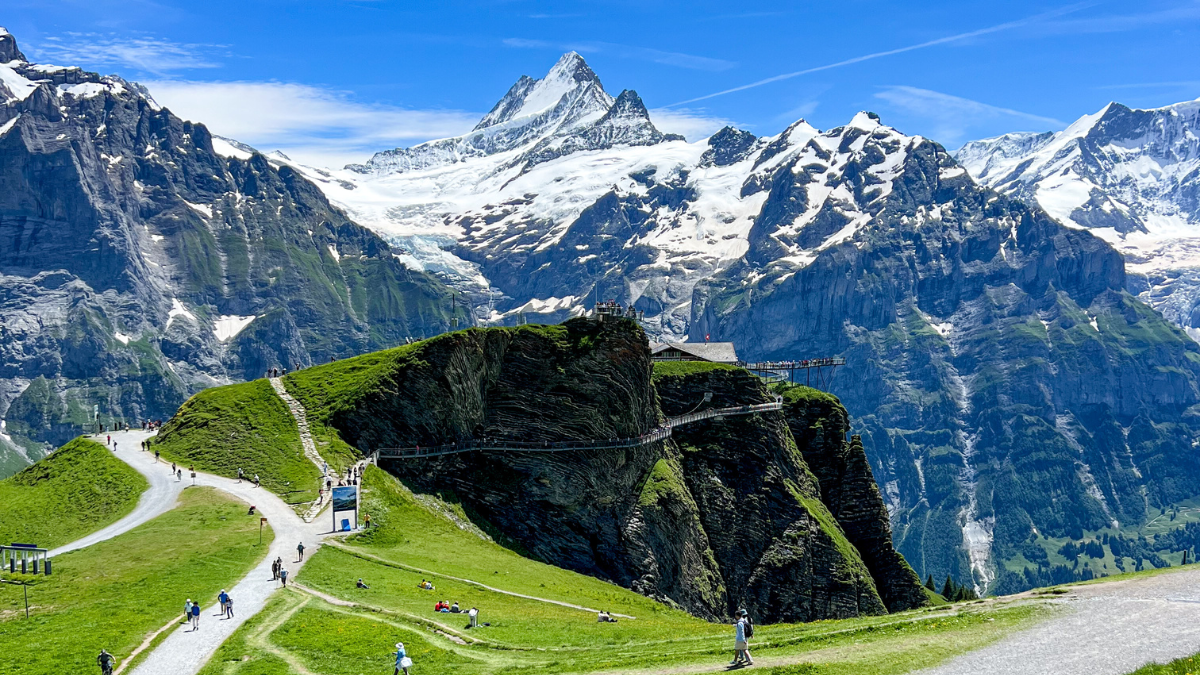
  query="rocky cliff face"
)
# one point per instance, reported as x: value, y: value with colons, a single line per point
x: 142, y: 259
x: 725, y: 516
x: 1130, y: 176
x: 780, y: 550
x: 1001, y: 374
x: 820, y: 426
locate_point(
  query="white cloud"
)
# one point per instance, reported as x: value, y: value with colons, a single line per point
x: 310, y: 124
x: 952, y: 117
x: 677, y: 59
x: 142, y: 54
x: 691, y: 124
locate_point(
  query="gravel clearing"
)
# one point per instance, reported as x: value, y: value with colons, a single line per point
x: 1108, y: 628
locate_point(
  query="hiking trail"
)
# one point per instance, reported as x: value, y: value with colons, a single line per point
x: 306, y: 439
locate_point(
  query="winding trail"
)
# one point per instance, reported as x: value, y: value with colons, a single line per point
x: 154, y: 502
x: 183, y: 651
x: 1109, y: 628
x: 306, y: 439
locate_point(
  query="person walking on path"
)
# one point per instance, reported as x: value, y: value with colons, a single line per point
x: 742, y: 631
x: 228, y: 607
x: 300, y: 552
x: 187, y: 611
x: 222, y: 598
x: 474, y: 614
x: 179, y: 475
x: 257, y: 482
x: 283, y: 576
x: 241, y: 475
x: 105, y: 661
x: 275, y: 570
x: 403, y: 663
x: 195, y: 616
x: 156, y: 455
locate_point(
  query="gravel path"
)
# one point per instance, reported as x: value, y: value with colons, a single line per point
x: 1104, y: 629
x: 154, y: 502
x: 306, y: 439
x: 184, y: 651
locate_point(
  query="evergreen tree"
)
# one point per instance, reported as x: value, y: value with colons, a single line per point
x: 933, y: 587
x: 948, y: 588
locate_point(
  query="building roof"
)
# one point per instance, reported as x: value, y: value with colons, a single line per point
x: 717, y: 352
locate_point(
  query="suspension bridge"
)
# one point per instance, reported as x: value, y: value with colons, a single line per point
x: 653, y: 436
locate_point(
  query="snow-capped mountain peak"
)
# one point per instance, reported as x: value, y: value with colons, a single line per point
x: 1130, y: 176
x: 570, y: 79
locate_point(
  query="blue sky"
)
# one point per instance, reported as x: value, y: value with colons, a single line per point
x: 332, y: 80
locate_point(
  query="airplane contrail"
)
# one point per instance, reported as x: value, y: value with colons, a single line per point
x: 900, y: 50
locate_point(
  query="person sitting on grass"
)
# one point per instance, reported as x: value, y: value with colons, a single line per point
x: 454, y: 608
x: 362, y: 585
x: 439, y: 606
x: 605, y: 617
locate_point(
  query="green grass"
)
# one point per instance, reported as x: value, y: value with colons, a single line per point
x: 243, y: 426
x: 685, y: 368
x: 114, y: 593
x: 75, y: 491
x: 425, y: 537
x: 1185, y: 666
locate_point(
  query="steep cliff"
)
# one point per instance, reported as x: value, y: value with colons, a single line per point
x: 1003, y: 380
x: 820, y: 425
x: 725, y: 516
x: 781, y: 552
x: 142, y: 259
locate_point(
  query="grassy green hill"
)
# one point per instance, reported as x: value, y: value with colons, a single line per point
x: 76, y: 490
x: 243, y: 426
x: 113, y: 594
x: 432, y: 537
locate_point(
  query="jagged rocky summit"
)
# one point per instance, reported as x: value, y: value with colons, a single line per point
x: 725, y: 514
x: 1008, y: 383
x: 1132, y: 177
x: 141, y: 259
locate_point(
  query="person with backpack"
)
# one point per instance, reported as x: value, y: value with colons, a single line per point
x: 283, y: 576
x: 743, y: 630
x: 402, y: 660
x: 105, y: 661
x: 300, y: 551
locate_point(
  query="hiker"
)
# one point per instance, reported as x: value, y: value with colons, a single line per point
x: 275, y: 569
x: 300, y: 551
x: 156, y: 455
x: 368, y: 520
x: 179, y: 475
x: 228, y: 607
x: 114, y: 446
x: 172, y: 467
x: 222, y: 598
x: 241, y: 474
x: 742, y: 631
x: 402, y: 660
x: 108, y: 440
x: 454, y: 608
x: 105, y: 661
x: 252, y: 507
x: 196, y: 616
x: 283, y: 576
x: 187, y: 610
x: 362, y: 585
x: 474, y: 614
x: 256, y: 481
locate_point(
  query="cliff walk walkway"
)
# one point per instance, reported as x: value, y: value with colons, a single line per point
x: 654, y: 435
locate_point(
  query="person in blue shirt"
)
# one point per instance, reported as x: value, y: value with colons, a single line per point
x: 403, y: 663
x: 223, y: 598
x: 741, y: 640
x: 195, y: 616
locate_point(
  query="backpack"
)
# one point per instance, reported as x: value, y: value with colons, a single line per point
x: 749, y: 629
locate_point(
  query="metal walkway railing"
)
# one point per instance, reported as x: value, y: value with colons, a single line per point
x: 652, y: 436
